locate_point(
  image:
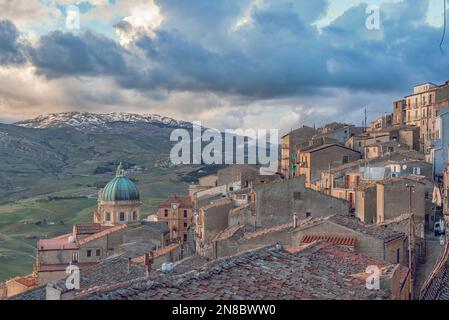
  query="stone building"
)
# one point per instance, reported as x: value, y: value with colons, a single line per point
x: 266, y: 206
x: 383, y: 148
x: 118, y: 201
x: 245, y: 175
x: 312, y: 161
x: 438, y: 147
x: 423, y: 107
x: 359, y: 142
x: 381, y: 123
x: 289, y: 145
x: 111, y: 271
x: 18, y: 285
x: 211, y: 220
x: 343, y: 181
x: 389, y: 198
x: 177, y: 211
x: 371, y: 240
x: 338, y: 132
x: 204, y: 183
x: 377, y: 242
x: 399, y: 113
x: 409, y: 136
x: 271, y: 272
x: 276, y: 203
x: 84, y: 247
x: 116, y: 229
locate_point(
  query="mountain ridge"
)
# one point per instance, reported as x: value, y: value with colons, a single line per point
x: 90, y: 120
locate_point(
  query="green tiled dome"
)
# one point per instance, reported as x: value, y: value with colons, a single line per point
x: 121, y: 188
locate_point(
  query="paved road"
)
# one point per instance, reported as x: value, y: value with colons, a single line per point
x: 423, y: 270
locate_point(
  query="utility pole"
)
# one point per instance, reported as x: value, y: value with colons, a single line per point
x: 365, y: 124
x: 411, y: 238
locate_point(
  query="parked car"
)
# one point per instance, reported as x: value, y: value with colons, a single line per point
x: 438, y: 228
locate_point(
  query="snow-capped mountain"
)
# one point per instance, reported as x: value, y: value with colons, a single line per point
x: 88, y: 120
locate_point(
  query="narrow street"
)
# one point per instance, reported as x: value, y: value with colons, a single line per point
x: 423, y: 270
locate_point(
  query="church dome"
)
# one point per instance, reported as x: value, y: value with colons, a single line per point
x: 120, y: 188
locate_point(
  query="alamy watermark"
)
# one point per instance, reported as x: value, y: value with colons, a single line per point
x: 372, y: 21
x: 261, y: 147
x: 73, y: 18
x: 72, y: 282
x: 373, y: 280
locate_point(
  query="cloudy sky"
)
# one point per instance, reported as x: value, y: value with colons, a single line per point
x: 230, y: 64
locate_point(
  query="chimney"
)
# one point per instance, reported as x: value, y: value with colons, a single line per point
x: 55, y: 292
x: 149, y: 259
x: 295, y: 221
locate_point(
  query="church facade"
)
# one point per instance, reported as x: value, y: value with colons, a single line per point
x: 118, y: 202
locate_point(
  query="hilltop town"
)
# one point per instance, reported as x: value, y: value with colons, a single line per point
x: 345, y: 199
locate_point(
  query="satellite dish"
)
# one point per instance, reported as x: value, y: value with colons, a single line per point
x: 404, y: 167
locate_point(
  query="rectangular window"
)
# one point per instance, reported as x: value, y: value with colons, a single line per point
x: 108, y: 216
x: 185, y: 224
x: 398, y: 256
x: 165, y: 212
x: 346, y: 159
x: 122, y: 216
x: 89, y: 253
x: 185, y: 238
x: 185, y: 213
x: 75, y: 257
x: 98, y: 252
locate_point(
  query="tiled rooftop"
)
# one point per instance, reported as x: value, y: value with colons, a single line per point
x: 405, y: 155
x: 27, y: 281
x: 183, y: 201
x: 62, y: 242
x: 228, y: 232
x: 262, y: 232
x: 368, y: 229
x: 102, y: 233
x: 57, y: 243
x: 318, y: 271
x: 109, y: 271
x: 344, y: 241
x: 436, y: 286
x: 87, y: 228
x: 325, y: 146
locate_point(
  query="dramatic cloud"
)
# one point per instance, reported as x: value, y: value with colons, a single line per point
x: 12, y: 51
x: 243, y: 62
x: 64, y: 54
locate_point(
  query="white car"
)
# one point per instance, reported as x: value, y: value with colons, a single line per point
x: 439, y: 228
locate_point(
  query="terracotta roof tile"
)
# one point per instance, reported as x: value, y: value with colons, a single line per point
x: 228, y: 232
x: 318, y: 271
x: 436, y: 287
x: 102, y: 234
x: 345, y: 241
x: 182, y: 201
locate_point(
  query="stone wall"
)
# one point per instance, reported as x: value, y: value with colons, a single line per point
x: 276, y: 203
x: 367, y: 245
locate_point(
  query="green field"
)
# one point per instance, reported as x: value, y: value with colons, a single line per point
x: 24, y: 221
